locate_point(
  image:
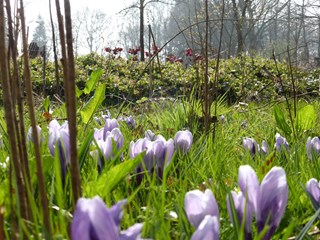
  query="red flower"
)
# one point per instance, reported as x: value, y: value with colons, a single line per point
x: 188, y: 52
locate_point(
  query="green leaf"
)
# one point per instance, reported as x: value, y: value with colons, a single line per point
x: 46, y: 104
x: 84, y: 149
x: 93, y: 104
x: 94, y: 77
x: 306, y: 118
x: 110, y: 179
x: 306, y: 228
x: 281, y: 121
x: 78, y: 92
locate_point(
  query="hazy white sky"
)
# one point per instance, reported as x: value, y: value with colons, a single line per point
x: 111, y: 8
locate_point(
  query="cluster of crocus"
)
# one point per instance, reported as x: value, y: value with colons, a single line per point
x: 159, y: 151
x: 203, y: 213
x: 158, y: 154
x: 104, y: 138
x: 267, y: 200
x: 313, y: 189
x: 281, y: 142
x: 313, y: 147
x: 93, y: 220
x: 253, y: 147
x: 59, y: 137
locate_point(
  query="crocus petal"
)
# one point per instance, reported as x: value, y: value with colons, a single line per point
x: 272, y: 200
x: 150, y: 135
x: 91, y: 220
x: 169, y: 151
x: 117, y: 137
x: 132, y: 233
x: 313, y: 147
x: 110, y: 124
x: 208, y: 229
x: 183, y: 141
x: 98, y: 134
x: 116, y: 211
x: 249, y: 184
x: 240, y: 204
x: 198, y: 204
x: 313, y: 189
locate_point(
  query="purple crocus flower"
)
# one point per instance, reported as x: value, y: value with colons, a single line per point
x: 199, y: 204
x: 268, y: 200
x: 162, y: 152
x: 130, y: 122
x: 93, y: 220
x: 183, y: 141
x: 30, y: 136
x: 313, y: 147
x: 313, y: 189
x: 97, y: 120
x: 272, y: 200
x: 107, y: 115
x: 281, y: 141
x: 251, y: 145
x: 59, y: 136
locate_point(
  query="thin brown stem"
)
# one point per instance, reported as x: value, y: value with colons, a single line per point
x: 9, y: 116
x: 35, y: 136
x: 71, y: 107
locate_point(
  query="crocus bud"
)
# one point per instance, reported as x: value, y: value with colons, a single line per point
x: 251, y: 145
x: 198, y: 205
x: 59, y: 136
x: 265, y: 147
x: 272, y: 200
x: 313, y: 147
x: 313, y: 189
x: 130, y: 122
x: 30, y: 136
x: 183, y: 141
x: 281, y: 141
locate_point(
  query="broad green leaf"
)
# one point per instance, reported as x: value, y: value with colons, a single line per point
x: 306, y: 118
x: 93, y: 104
x: 110, y: 179
x: 94, y: 77
x: 281, y: 121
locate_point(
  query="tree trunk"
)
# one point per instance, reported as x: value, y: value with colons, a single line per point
x: 141, y: 30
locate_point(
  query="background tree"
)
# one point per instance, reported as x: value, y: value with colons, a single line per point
x: 90, y: 29
x: 39, y: 35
